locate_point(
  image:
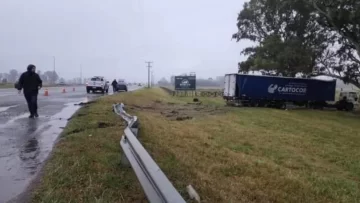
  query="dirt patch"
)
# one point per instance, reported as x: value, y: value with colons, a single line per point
x: 180, y: 112
x: 84, y: 103
x: 182, y: 118
x: 76, y: 115
x: 104, y: 125
x: 137, y: 107
x: 80, y: 114
x: 75, y: 131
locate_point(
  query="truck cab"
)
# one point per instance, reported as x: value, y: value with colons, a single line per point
x: 351, y: 96
x: 348, y: 100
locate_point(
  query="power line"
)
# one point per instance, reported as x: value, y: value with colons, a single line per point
x: 149, y: 67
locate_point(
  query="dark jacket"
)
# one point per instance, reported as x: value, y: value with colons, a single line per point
x: 30, y: 82
x: 114, y: 83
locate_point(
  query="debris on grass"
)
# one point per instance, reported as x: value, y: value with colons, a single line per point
x: 192, y: 193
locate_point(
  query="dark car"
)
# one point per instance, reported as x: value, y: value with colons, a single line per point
x: 121, y: 86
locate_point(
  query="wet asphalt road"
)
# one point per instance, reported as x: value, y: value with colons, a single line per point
x: 25, y: 143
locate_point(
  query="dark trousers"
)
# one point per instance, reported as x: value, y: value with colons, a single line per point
x: 31, y: 100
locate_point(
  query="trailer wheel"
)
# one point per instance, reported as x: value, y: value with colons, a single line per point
x: 280, y: 105
x: 261, y: 103
x: 253, y: 103
x: 349, y: 106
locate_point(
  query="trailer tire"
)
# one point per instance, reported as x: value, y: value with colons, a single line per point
x: 261, y: 103
x: 253, y: 103
x: 280, y: 105
x: 349, y: 106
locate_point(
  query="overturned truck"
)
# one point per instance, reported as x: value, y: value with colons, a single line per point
x: 278, y: 92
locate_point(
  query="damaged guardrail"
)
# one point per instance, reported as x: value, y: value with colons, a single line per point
x: 154, y: 182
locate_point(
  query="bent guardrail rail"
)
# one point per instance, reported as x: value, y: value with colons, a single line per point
x: 154, y: 182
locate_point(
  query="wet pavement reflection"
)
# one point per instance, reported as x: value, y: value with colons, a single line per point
x: 26, y: 143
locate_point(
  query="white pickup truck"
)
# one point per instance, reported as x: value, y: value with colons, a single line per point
x: 97, y: 83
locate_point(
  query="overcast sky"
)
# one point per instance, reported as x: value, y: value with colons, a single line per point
x: 114, y: 38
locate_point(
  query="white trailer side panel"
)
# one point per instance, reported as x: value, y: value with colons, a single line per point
x: 230, y: 85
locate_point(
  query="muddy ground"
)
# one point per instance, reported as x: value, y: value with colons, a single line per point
x: 180, y: 112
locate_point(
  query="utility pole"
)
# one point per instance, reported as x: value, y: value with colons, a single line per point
x: 148, y: 66
x: 81, y: 74
x: 54, y: 64
x: 152, y: 78
x: 54, y: 71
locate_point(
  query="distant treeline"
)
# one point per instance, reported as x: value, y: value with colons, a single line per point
x: 210, y: 82
x: 13, y: 75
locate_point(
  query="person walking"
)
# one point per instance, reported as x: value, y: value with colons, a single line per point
x: 114, y: 85
x: 30, y: 82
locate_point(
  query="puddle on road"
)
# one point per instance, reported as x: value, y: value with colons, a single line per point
x: 5, y: 108
x: 27, y: 147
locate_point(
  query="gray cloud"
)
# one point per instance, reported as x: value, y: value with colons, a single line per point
x: 114, y: 38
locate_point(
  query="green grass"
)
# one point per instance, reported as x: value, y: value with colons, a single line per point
x: 227, y: 154
x: 7, y: 85
x: 85, y: 163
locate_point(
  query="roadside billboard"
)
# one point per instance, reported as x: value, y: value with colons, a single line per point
x: 185, y: 83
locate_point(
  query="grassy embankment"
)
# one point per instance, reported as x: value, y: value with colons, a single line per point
x: 227, y: 154
x: 7, y: 85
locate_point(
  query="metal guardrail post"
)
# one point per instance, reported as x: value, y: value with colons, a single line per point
x: 154, y: 182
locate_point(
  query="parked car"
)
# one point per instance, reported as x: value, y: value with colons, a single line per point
x: 97, y: 83
x: 121, y: 86
x: 62, y: 83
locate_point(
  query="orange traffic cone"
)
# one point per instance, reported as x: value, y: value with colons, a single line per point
x: 46, y: 93
x: 64, y: 90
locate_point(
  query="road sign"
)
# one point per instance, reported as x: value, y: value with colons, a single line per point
x: 185, y: 82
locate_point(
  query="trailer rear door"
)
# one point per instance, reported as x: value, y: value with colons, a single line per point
x: 230, y: 85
